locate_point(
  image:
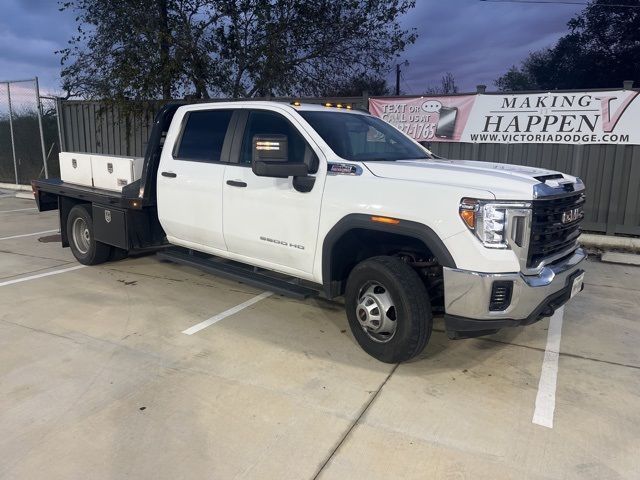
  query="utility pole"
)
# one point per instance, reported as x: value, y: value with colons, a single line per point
x: 398, y: 71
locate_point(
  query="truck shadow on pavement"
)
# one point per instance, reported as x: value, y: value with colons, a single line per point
x: 440, y: 353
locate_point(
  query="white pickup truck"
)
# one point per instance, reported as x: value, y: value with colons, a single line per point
x: 306, y: 199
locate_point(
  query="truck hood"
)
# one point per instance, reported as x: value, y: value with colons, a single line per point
x: 504, y: 181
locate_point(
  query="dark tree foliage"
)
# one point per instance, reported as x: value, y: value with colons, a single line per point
x: 141, y: 49
x: 149, y: 49
x: 516, y: 79
x: 601, y: 50
x: 354, y: 86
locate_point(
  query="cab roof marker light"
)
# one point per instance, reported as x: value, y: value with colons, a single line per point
x: 296, y: 103
x: 328, y: 104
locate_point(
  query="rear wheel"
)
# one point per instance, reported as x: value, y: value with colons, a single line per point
x: 388, y: 309
x: 82, y: 240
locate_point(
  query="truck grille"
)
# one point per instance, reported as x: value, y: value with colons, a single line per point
x: 555, y: 226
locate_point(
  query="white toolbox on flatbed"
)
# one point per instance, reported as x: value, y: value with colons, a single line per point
x: 76, y: 168
x: 111, y: 172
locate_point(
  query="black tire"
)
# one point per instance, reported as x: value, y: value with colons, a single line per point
x: 412, y: 308
x: 91, y: 252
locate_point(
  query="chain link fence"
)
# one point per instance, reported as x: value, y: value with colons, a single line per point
x: 50, y: 135
x: 28, y: 133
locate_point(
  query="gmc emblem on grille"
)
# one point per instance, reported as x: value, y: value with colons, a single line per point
x: 570, y: 216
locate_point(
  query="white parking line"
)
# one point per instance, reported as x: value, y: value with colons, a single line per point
x: 225, y: 314
x: 29, y: 234
x: 546, y: 398
x: 18, y: 210
x: 40, y: 275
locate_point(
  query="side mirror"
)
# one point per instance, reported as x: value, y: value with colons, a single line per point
x: 270, y: 155
x: 270, y: 148
x: 279, y: 169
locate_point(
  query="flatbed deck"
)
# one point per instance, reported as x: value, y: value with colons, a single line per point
x: 57, y: 187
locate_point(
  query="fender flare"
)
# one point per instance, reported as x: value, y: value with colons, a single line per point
x: 361, y: 221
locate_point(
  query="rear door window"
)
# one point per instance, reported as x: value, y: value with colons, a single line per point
x: 203, y: 136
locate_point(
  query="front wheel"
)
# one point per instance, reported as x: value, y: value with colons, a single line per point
x: 388, y: 309
x: 82, y: 240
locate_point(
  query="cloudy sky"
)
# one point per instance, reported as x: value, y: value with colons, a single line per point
x: 473, y: 39
x: 476, y: 40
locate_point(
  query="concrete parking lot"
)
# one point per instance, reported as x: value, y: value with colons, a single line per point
x: 98, y: 380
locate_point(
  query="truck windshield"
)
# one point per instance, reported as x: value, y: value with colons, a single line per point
x: 362, y: 137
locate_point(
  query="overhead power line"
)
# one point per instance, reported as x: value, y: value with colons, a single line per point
x: 562, y: 2
x: 406, y: 84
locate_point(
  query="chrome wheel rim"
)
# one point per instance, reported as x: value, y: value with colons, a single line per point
x: 81, y: 235
x: 376, y: 312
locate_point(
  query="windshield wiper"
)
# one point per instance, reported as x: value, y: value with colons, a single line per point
x: 387, y: 159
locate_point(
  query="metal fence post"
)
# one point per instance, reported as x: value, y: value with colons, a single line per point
x: 44, y: 150
x: 61, y: 142
x: 616, y: 186
x: 576, y: 164
x: 475, y: 151
x: 13, y: 143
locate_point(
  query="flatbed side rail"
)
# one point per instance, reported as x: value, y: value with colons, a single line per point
x: 46, y: 192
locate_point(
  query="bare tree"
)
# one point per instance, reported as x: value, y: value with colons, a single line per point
x: 447, y: 86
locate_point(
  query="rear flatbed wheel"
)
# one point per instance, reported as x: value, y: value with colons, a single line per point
x: 82, y: 240
x: 81, y: 235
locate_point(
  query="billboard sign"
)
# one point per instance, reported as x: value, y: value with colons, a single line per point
x: 606, y: 117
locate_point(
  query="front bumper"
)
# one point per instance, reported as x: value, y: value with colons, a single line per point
x: 467, y: 296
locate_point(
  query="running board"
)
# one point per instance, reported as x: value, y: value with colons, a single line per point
x: 239, y: 274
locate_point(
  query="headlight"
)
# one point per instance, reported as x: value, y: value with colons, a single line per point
x: 495, y: 223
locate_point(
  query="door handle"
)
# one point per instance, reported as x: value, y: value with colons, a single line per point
x: 236, y: 183
x: 169, y: 174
